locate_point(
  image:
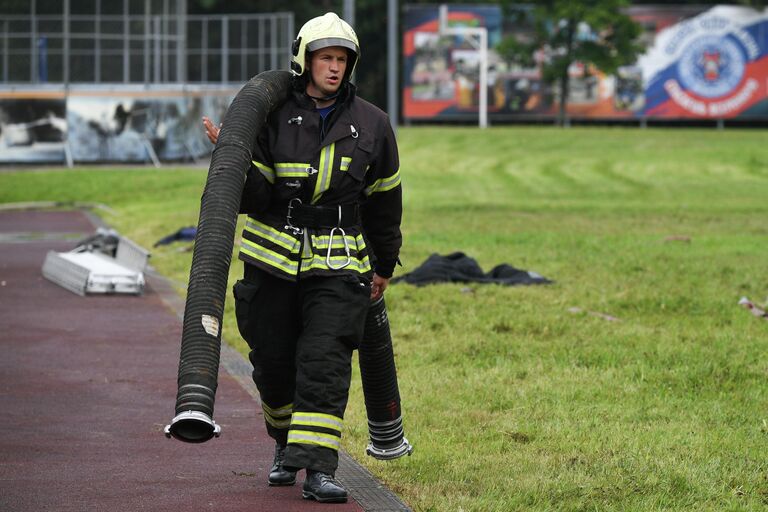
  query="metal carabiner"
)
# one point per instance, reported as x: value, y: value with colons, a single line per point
x: 289, y: 225
x: 330, y: 246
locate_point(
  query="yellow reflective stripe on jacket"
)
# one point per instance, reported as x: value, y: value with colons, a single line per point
x: 317, y: 438
x: 265, y: 170
x: 345, y: 161
x: 321, y: 241
x: 279, y: 417
x: 316, y: 419
x: 280, y: 411
x: 271, y: 258
x: 384, y: 184
x: 273, y: 235
x: 317, y: 262
x: 292, y: 170
x: 325, y: 170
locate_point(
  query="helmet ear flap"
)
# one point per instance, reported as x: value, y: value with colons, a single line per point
x: 297, y: 64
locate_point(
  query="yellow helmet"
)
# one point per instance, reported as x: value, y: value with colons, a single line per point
x: 322, y: 32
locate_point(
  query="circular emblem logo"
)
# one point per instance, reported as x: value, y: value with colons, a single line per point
x: 711, y: 66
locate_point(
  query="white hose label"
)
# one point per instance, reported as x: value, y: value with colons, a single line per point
x: 211, y: 325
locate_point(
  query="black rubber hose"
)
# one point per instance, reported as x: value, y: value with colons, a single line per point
x: 204, y: 310
x: 382, y: 396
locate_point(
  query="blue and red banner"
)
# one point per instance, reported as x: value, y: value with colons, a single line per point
x: 714, y: 65
x: 698, y: 63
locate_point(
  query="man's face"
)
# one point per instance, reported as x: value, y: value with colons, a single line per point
x: 327, y: 67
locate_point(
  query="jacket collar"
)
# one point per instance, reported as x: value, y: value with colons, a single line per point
x: 346, y: 95
x: 341, y: 120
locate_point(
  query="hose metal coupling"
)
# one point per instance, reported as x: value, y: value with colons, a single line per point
x: 389, y: 453
x: 192, y: 427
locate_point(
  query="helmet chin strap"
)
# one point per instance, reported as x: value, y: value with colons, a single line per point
x: 326, y: 98
x: 329, y: 97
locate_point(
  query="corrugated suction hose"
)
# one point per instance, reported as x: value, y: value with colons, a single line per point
x: 204, y: 310
x: 382, y: 396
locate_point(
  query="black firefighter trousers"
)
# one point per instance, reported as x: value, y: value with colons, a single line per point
x: 301, y: 335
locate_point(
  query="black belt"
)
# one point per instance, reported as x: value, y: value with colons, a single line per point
x: 300, y: 215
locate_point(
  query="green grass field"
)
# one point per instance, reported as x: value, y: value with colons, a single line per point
x: 513, y: 399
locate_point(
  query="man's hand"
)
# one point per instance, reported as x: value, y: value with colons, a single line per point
x: 211, y: 130
x: 378, y: 285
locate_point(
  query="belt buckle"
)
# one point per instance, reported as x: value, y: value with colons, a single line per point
x: 288, y: 219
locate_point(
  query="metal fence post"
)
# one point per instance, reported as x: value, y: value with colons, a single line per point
x: 33, y: 43
x: 224, y: 49
x: 66, y: 57
x: 97, y: 44
x: 5, y: 51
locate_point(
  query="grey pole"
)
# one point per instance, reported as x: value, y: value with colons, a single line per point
x: 5, y: 51
x: 66, y: 62
x: 165, y: 35
x: 97, y: 44
x: 349, y: 12
x: 392, y: 89
x: 33, y: 71
x: 147, y: 32
x: 181, y: 42
x: 157, y: 61
x: 291, y: 35
x: 224, y: 49
x: 349, y: 17
x: 126, y: 42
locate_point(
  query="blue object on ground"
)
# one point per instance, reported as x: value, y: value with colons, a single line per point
x: 184, y: 234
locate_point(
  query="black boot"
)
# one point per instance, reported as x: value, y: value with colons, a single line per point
x: 278, y: 475
x: 323, y: 488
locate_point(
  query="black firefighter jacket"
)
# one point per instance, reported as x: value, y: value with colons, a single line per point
x: 349, y: 159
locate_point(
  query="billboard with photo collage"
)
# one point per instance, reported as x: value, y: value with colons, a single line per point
x: 33, y: 126
x: 699, y: 63
x: 129, y: 124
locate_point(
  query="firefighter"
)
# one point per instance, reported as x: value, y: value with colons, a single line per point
x: 321, y: 240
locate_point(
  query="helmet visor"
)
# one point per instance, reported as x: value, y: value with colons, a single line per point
x: 331, y: 41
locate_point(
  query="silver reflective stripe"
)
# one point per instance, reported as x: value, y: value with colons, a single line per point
x: 384, y: 184
x: 285, y: 410
x: 318, y: 420
x: 345, y: 161
x: 278, y: 422
x: 269, y: 233
x: 318, y: 262
x: 292, y: 170
x: 265, y: 170
x: 321, y: 242
x: 325, y: 168
x: 308, y: 437
x: 269, y: 257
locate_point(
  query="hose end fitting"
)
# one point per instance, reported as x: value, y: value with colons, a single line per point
x: 391, y: 452
x: 192, y: 427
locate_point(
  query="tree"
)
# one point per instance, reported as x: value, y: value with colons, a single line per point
x: 594, y: 33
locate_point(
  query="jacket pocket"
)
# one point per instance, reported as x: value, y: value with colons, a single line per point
x: 361, y: 157
x: 245, y: 292
x: 356, y: 301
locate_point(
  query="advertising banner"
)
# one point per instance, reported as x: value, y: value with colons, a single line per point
x: 108, y: 124
x: 33, y: 127
x: 698, y: 63
x: 442, y: 72
x: 714, y: 65
x: 133, y: 127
